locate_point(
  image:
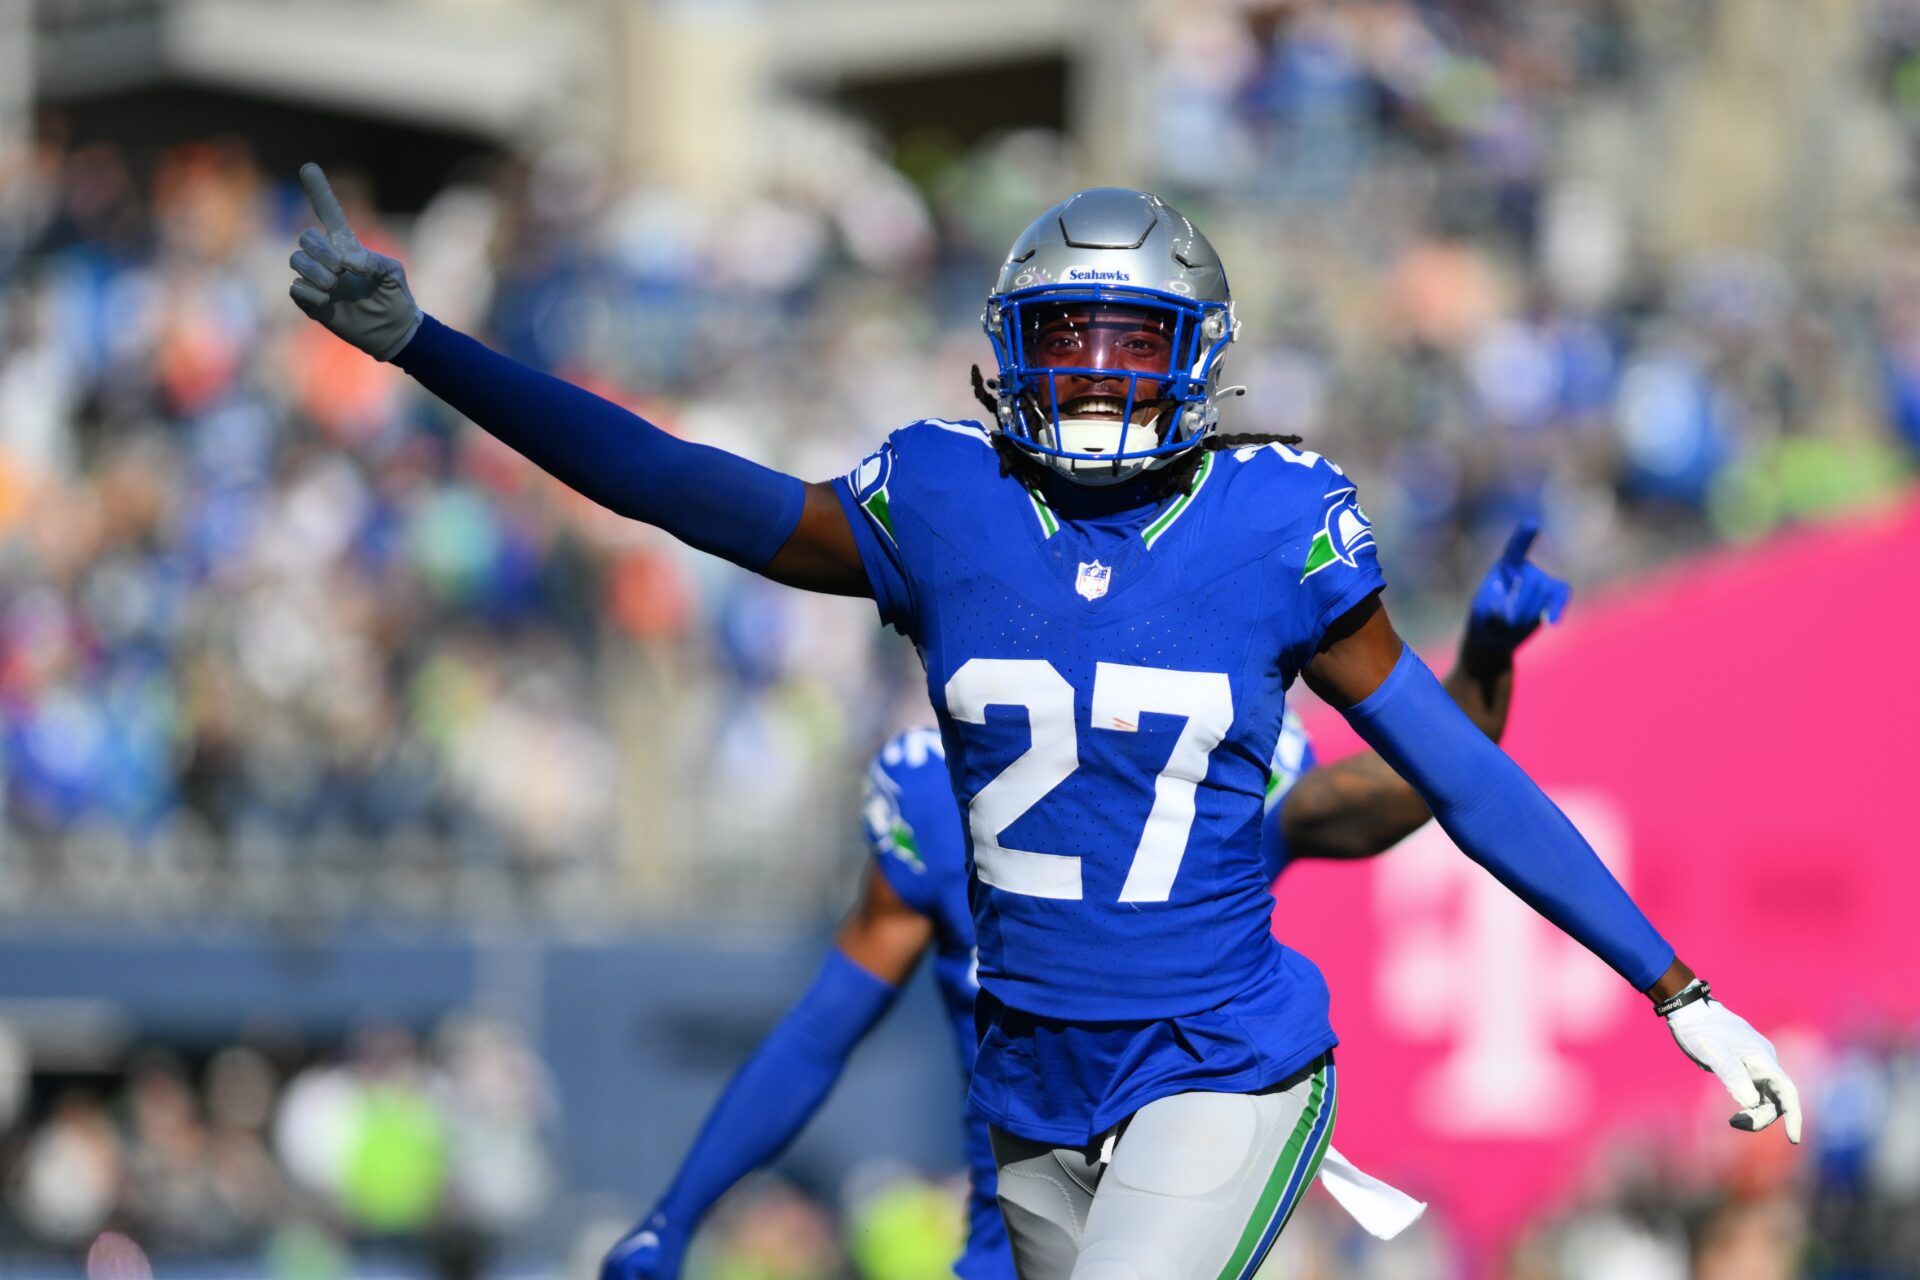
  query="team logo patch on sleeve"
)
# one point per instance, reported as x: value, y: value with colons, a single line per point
x: 1344, y: 533
x: 887, y: 828
x: 869, y: 482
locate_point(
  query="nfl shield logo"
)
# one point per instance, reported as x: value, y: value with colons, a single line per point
x: 1093, y: 579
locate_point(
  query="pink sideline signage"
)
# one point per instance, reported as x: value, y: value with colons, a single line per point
x: 1738, y: 739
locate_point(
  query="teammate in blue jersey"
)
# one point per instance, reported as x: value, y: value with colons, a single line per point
x: 914, y: 897
x: 1110, y: 598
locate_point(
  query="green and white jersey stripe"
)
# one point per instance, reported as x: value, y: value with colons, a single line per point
x: 1049, y: 524
x: 1152, y: 533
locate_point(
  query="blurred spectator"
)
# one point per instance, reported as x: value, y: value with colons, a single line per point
x: 394, y: 1170
x: 69, y: 1176
x: 500, y: 1108
x: 770, y: 1233
x: 905, y: 1228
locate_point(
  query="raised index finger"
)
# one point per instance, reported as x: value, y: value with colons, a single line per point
x: 1517, y: 545
x: 325, y: 203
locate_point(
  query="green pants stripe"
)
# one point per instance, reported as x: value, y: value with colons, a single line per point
x: 1298, y: 1162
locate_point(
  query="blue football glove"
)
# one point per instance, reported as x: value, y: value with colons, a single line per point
x: 651, y: 1251
x: 1513, y: 598
x: 360, y: 295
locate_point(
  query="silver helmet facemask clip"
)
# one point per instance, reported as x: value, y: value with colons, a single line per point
x: 1110, y: 256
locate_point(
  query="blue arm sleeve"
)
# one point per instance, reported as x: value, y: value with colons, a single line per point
x: 772, y: 1097
x: 705, y: 497
x: 1502, y: 819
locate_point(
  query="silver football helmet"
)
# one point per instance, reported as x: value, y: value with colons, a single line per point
x: 1109, y: 320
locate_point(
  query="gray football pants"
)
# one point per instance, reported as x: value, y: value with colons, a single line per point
x: 1199, y: 1186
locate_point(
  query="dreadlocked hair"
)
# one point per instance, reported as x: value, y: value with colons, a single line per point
x: 1175, y: 477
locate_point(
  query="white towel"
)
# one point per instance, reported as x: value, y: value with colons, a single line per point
x: 1381, y: 1210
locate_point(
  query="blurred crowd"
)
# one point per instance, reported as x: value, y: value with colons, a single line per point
x: 1595, y: 260
x: 268, y: 611
x: 256, y: 609
x: 267, y: 1151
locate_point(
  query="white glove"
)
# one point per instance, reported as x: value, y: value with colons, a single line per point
x: 1723, y: 1042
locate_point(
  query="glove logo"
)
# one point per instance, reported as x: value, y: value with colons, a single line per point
x: 1343, y: 535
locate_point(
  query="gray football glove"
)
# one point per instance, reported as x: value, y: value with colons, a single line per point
x: 360, y: 295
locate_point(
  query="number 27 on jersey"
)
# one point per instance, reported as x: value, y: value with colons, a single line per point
x: 1121, y: 695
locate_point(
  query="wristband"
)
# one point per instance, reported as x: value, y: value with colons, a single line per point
x: 1698, y: 989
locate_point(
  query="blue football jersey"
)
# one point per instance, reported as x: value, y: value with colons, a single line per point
x: 1110, y: 688
x: 918, y: 843
x: 1110, y: 684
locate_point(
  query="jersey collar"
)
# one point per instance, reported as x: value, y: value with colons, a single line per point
x: 1155, y: 529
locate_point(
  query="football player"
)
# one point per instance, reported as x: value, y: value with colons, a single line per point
x: 1110, y: 599
x: 914, y: 896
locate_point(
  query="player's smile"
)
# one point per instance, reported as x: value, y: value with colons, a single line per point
x: 1101, y: 405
